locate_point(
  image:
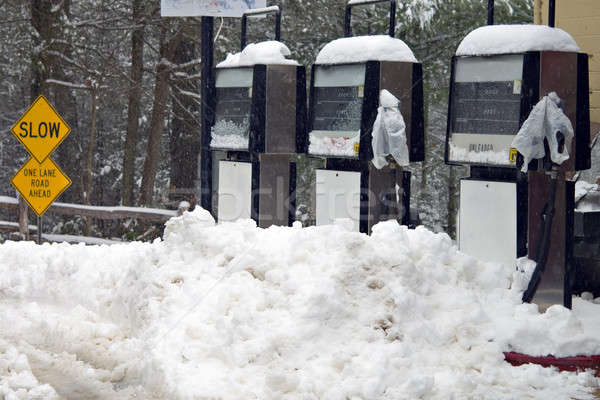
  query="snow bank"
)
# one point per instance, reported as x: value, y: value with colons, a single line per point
x: 365, y: 48
x: 505, y: 39
x: 16, y: 379
x: 231, y: 311
x: 269, y: 52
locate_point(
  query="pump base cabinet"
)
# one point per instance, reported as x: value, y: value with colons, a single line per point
x: 338, y: 197
x: 235, y: 190
x: 488, y: 220
x: 263, y: 190
x: 362, y: 194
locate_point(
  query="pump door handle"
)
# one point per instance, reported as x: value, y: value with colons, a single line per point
x: 352, y: 3
x: 262, y: 11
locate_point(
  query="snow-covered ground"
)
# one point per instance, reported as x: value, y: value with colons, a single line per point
x: 231, y: 311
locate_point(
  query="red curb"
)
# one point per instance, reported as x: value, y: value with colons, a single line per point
x: 576, y: 363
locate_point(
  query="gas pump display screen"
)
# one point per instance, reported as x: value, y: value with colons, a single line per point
x: 233, y: 107
x: 485, y: 109
x: 337, y: 110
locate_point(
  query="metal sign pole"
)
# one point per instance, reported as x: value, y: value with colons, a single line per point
x: 490, y: 20
x: 206, y: 112
x: 39, y: 229
x: 551, y: 13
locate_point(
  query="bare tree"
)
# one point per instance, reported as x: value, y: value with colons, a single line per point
x: 168, y: 43
x: 133, y: 108
x: 184, y: 138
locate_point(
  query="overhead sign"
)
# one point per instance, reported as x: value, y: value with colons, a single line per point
x: 215, y: 8
x: 41, y: 129
x: 40, y: 183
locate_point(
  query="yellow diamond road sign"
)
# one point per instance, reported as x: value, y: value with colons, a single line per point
x: 40, y: 129
x: 40, y: 183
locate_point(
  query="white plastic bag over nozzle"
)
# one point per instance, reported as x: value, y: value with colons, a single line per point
x: 545, y: 121
x: 389, y: 132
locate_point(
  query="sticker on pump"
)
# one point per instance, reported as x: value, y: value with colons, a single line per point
x: 517, y: 86
x: 361, y: 91
x: 512, y: 156
x: 356, y: 147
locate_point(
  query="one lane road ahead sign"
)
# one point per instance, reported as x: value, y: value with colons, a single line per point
x: 40, y: 183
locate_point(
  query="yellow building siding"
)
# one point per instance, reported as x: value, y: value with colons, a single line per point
x: 570, y: 9
x: 581, y: 18
x: 595, y: 97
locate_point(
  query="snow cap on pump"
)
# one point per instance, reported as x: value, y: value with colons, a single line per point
x: 507, y: 39
x: 269, y: 52
x: 365, y: 48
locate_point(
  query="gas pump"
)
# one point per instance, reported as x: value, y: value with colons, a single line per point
x: 498, y: 75
x: 259, y: 117
x: 347, y: 81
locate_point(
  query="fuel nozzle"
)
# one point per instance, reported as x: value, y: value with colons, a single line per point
x: 547, y: 162
x: 560, y: 140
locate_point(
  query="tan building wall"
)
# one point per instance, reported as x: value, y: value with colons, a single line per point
x: 581, y: 18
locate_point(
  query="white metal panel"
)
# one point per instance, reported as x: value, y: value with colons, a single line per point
x: 235, y: 190
x: 488, y: 220
x: 234, y: 77
x: 340, y: 75
x: 338, y: 196
x: 489, y: 69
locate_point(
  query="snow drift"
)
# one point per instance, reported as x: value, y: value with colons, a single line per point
x: 231, y: 311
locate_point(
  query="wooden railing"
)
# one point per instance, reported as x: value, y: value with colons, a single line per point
x: 97, y: 212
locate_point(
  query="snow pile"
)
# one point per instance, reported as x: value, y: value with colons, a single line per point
x: 365, y: 48
x: 505, y: 39
x: 16, y: 379
x: 333, y: 145
x: 231, y: 311
x: 226, y: 134
x: 269, y: 52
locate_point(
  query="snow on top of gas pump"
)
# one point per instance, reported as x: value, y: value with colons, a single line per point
x: 269, y: 52
x: 506, y: 39
x: 365, y: 48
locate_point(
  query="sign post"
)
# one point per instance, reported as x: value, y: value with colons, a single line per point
x: 40, y: 181
x: 207, y: 92
x: 207, y: 9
